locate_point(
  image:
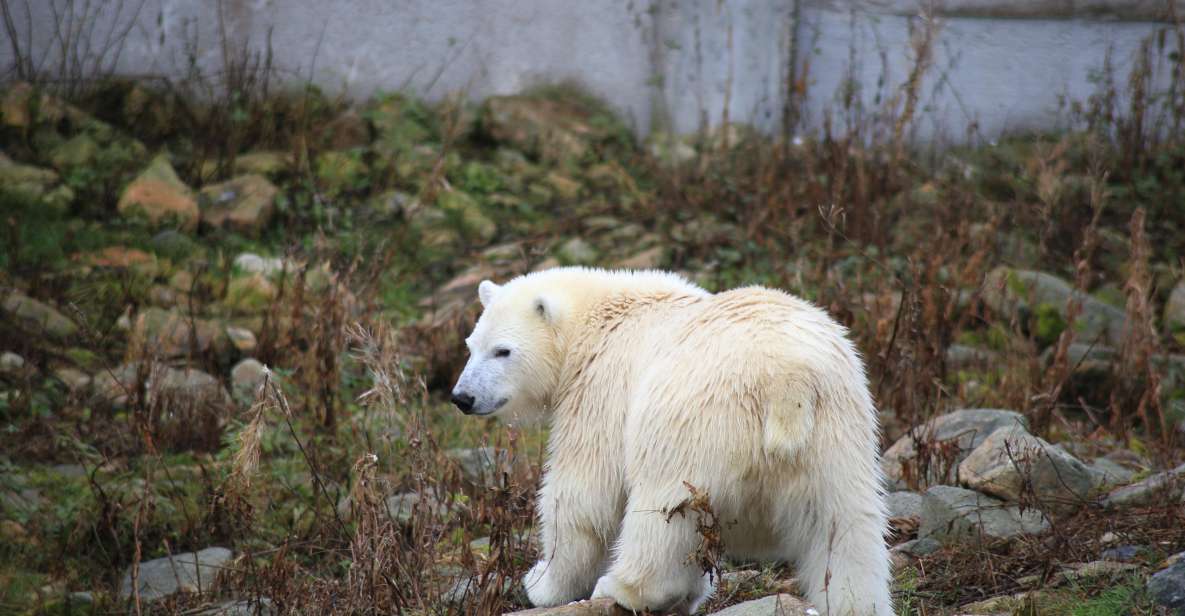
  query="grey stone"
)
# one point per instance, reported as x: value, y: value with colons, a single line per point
x: 251, y: 263
x: 1011, y: 459
x: 1167, y: 587
x: 966, y: 429
x: 919, y: 547
x: 1174, y: 308
x: 480, y: 465
x: 577, y: 251
x: 38, y: 316
x: 773, y: 605
x: 11, y: 363
x: 243, y: 204
x: 905, y: 504
x: 960, y: 356
x: 188, y: 572
x: 179, y: 386
x: 246, y: 378
x: 403, y: 507
x: 1021, y: 293
x: 954, y: 514
x: 1109, y: 473
x: 1122, y: 553
x: 1168, y: 485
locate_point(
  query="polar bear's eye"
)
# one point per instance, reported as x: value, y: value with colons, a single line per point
x: 501, y: 352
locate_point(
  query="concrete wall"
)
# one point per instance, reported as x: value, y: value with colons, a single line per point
x: 997, y: 65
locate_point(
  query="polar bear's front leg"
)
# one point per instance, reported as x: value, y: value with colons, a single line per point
x: 576, y: 518
x: 651, y: 570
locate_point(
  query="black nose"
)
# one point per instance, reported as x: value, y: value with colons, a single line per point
x: 463, y: 402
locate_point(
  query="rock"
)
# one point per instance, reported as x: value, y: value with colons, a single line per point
x: 253, y: 294
x: 188, y: 572
x: 38, y: 317
x: 1122, y: 553
x: 650, y: 258
x: 169, y: 334
x: 474, y: 223
x: 587, y: 607
x: 481, y: 465
x: 773, y: 605
x: 961, y: 356
x: 546, y: 264
x: 1032, y: 294
x: 246, y: 378
x: 80, y: 150
x: 1174, y: 309
x: 242, y: 338
x: 576, y: 251
x: 1109, y: 473
x: 963, y: 430
x: 955, y: 514
x: 268, y: 164
x: 243, y: 204
x: 160, y: 197
x: 1093, y: 570
x: 185, y: 385
x: 75, y: 380
x: 176, y: 246
x: 1168, y: 485
x: 919, y: 547
x: 1167, y: 587
x: 250, y: 263
x: 1011, y: 459
x: 262, y: 606
x: 545, y: 128
x: 905, y: 504
x: 403, y: 508
x: 11, y: 364
x: 33, y: 181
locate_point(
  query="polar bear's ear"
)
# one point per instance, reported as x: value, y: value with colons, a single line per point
x: 547, y: 308
x: 486, y: 292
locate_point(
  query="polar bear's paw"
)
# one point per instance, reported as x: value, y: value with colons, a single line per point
x: 542, y: 589
x: 661, y: 596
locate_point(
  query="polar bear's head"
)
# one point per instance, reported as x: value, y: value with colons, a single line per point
x: 513, y: 362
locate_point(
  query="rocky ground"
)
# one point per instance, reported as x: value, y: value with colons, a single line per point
x: 225, y: 332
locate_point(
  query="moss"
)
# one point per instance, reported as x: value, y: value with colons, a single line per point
x: 1048, y: 324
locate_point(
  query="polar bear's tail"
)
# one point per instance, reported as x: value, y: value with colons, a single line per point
x: 789, y: 416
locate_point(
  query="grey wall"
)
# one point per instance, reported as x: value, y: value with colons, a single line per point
x: 684, y: 65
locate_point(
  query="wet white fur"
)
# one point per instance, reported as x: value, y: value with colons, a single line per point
x: 752, y: 395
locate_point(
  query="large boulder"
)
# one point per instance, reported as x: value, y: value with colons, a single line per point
x: 187, y: 387
x: 187, y: 572
x: 38, y: 317
x: 1166, y: 486
x: 1167, y: 587
x: 950, y: 438
x: 158, y: 196
x: 1031, y: 294
x: 545, y: 128
x: 1010, y: 461
x: 243, y: 204
x: 169, y: 334
x: 955, y: 514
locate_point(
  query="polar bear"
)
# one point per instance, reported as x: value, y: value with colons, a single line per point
x: 752, y: 396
